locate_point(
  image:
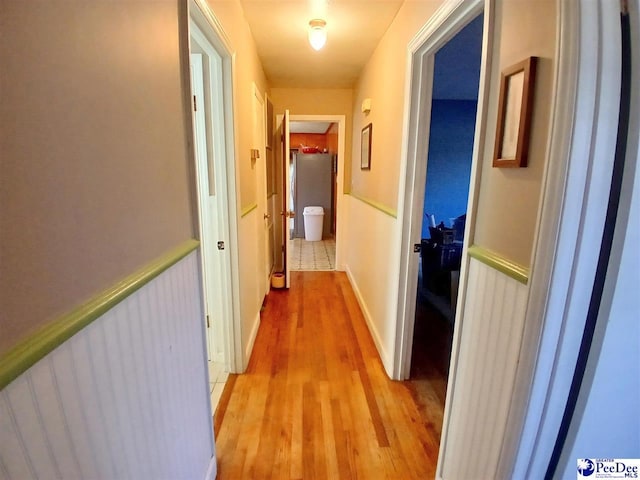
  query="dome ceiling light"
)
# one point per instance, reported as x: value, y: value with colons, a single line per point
x: 317, y: 33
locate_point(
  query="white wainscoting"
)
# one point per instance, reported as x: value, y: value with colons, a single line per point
x: 125, y: 398
x: 480, y: 394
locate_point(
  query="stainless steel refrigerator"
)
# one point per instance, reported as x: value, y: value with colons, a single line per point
x: 313, y: 186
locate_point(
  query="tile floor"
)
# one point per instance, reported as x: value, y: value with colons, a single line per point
x: 217, y: 378
x: 309, y: 256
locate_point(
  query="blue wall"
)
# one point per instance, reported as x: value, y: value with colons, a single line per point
x: 453, y: 114
x: 449, y: 162
x: 457, y: 67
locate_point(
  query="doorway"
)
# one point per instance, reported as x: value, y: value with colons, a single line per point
x: 448, y: 174
x: 313, y: 159
x: 215, y: 181
x: 283, y: 163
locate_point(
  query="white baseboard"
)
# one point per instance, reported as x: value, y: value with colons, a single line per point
x: 384, y: 357
x: 212, y: 470
x: 252, y: 339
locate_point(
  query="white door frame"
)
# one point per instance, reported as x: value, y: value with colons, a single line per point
x: 570, y: 218
x: 570, y: 225
x: 273, y: 209
x: 208, y: 25
x: 340, y: 213
x: 264, y: 266
x: 444, y: 25
x: 283, y: 122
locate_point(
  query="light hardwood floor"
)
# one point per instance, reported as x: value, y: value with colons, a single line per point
x: 315, y: 401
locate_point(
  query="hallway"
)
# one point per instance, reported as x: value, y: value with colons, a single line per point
x: 315, y: 401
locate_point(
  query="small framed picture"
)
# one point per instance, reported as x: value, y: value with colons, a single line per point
x: 514, y: 114
x: 365, y: 148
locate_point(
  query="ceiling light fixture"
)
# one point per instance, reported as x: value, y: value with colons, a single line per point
x: 317, y: 33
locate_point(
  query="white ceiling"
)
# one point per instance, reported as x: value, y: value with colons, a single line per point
x: 354, y: 28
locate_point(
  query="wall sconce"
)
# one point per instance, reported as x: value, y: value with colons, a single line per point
x: 317, y: 33
x: 366, y: 106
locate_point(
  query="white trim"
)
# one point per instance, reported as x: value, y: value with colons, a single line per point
x: 285, y: 143
x: 452, y: 16
x: 252, y: 339
x: 272, y: 207
x: 340, y: 206
x: 264, y: 271
x: 203, y: 17
x: 212, y: 469
x: 443, y: 25
x: 569, y: 244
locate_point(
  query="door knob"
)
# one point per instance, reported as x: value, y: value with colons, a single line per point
x: 267, y: 215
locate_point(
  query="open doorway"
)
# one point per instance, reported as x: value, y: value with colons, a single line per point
x: 448, y: 175
x: 331, y: 236
x: 313, y: 168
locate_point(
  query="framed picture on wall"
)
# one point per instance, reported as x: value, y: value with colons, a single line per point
x: 365, y: 148
x: 514, y: 114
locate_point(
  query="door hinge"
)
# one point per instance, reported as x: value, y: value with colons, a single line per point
x: 195, y: 106
x: 221, y: 245
x: 208, y: 321
x: 417, y: 248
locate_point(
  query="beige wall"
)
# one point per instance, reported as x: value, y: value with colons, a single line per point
x: 247, y: 70
x: 372, y: 249
x: 383, y: 81
x: 509, y: 197
x: 92, y: 124
x: 318, y: 101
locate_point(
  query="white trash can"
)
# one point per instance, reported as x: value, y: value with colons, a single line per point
x: 313, y: 218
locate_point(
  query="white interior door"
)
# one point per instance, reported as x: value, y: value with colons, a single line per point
x: 208, y: 206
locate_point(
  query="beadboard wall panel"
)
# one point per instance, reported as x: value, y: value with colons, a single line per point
x: 490, y: 338
x: 126, y: 397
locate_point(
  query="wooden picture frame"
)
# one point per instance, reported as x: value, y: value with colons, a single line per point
x: 514, y: 114
x: 365, y: 147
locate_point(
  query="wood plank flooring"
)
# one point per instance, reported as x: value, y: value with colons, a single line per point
x: 315, y: 402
